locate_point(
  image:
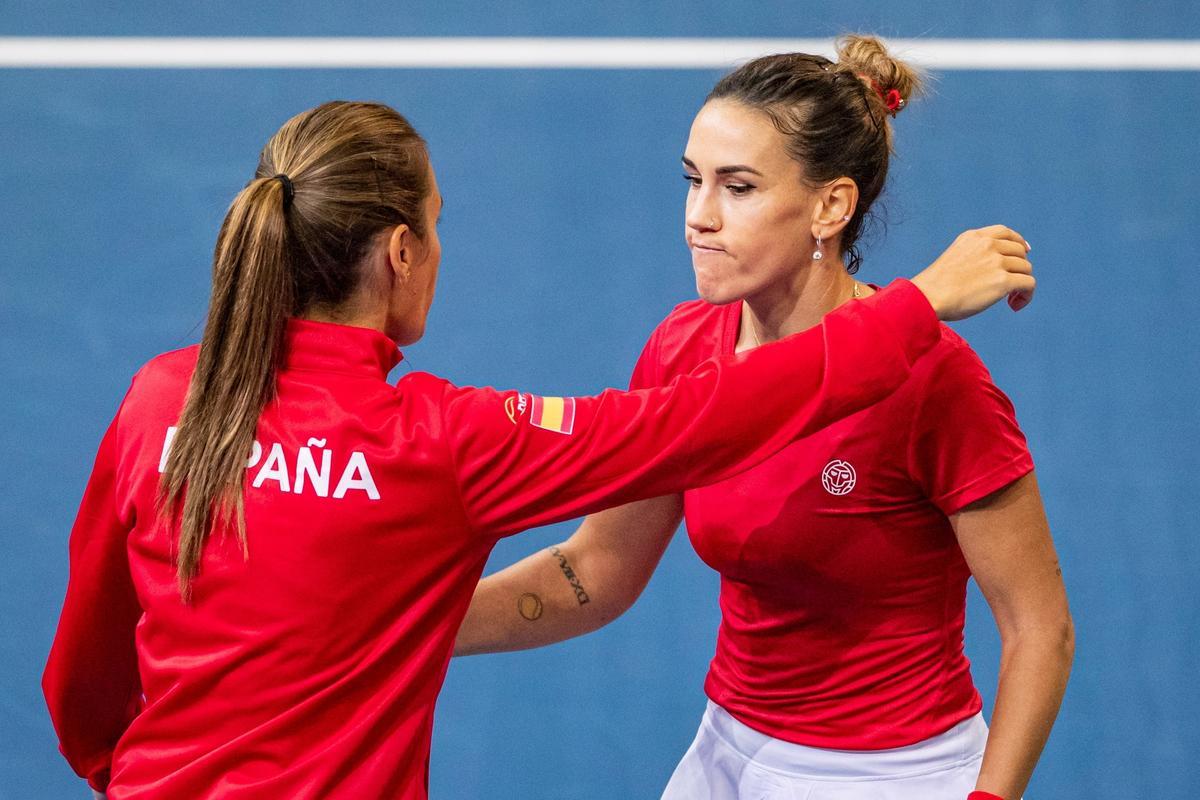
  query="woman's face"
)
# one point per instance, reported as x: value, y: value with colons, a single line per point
x: 412, y: 298
x: 749, y: 215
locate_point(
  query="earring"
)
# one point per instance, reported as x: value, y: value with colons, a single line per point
x: 846, y: 218
x: 818, y: 255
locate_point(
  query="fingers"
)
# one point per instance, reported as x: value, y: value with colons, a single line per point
x: 1017, y: 265
x: 1017, y: 300
x: 1022, y: 283
x: 1021, y: 291
x: 1005, y: 233
x: 1007, y: 247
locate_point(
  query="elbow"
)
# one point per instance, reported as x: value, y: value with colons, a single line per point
x: 1045, y: 624
x: 1068, y: 640
x: 462, y: 647
x: 601, y: 602
x: 611, y: 606
x: 1060, y: 637
x: 605, y: 588
x: 55, y: 690
x: 1061, y: 643
x: 1053, y: 638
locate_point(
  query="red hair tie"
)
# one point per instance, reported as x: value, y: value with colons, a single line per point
x: 891, y: 98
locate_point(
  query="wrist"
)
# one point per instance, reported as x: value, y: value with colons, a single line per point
x: 930, y: 290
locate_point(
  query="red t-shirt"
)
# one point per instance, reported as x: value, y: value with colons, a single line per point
x: 843, y: 588
x: 308, y: 668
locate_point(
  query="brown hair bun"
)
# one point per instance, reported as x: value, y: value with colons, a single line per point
x: 869, y: 60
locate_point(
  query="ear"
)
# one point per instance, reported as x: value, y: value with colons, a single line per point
x: 836, y: 202
x: 401, y: 254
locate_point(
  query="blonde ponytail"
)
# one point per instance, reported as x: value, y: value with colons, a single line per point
x: 234, y: 377
x: 292, y: 241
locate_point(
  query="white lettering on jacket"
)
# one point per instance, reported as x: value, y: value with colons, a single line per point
x: 312, y: 471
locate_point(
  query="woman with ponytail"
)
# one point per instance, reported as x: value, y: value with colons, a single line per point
x: 839, y: 669
x: 276, y: 546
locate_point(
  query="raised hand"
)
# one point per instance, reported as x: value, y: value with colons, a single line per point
x: 978, y: 269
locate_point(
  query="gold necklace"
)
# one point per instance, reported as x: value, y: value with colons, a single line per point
x: 854, y: 296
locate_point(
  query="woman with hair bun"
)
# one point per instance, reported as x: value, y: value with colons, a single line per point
x: 839, y: 669
x: 276, y: 546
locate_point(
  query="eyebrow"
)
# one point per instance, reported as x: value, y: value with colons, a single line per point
x: 687, y: 162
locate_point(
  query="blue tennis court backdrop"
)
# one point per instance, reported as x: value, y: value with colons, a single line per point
x: 562, y: 238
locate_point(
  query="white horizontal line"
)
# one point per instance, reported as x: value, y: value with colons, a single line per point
x: 574, y: 53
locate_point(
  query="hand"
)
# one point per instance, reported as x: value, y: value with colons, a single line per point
x: 98, y: 795
x: 981, y: 267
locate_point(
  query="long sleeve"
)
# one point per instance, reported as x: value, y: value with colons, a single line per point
x: 91, y: 681
x: 524, y: 461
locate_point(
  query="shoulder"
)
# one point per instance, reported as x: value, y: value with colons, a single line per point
x: 691, y: 316
x: 950, y: 362
x: 171, y: 366
x: 161, y: 383
x: 423, y: 383
x: 690, y: 334
x: 423, y: 386
x: 428, y: 396
x: 952, y: 387
x: 459, y: 414
x: 151, y: 406
x: 965, y: 441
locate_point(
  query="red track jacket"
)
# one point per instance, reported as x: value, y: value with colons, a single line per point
x: 308, y: 667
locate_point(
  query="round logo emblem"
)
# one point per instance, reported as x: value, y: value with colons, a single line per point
x: 838, y: 477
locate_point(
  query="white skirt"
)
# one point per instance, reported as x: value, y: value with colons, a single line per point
x: 730, y: 761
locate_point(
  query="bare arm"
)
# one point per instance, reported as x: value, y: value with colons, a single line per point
x: 1006, y: 541
x: 572, y: 588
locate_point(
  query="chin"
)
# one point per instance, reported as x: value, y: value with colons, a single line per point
x: 715, y: 294
x: 406, y: 335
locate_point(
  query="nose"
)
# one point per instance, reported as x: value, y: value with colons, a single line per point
x: 701, y: 213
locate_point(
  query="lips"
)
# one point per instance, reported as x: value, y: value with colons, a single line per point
x: 698, y: 247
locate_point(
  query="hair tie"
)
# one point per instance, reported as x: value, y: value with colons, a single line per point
x: 891, y: 98
x: 894, y: 101
x: 289, y: 191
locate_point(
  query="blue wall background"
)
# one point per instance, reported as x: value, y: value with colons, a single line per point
x: 563, y: 248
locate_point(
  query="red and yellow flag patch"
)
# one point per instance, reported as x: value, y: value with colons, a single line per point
x: 552, y: 413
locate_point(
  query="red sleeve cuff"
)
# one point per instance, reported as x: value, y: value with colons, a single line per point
x: 907, y: 312
x: 977, y: 795
x: 953, y: 502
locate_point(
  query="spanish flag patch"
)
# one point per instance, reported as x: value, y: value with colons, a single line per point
x: 552, y: 413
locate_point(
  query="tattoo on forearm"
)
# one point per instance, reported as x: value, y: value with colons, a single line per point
x: 529, y: 606
x: 572, y: 578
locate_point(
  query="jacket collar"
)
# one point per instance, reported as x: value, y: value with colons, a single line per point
x: 329, y: 347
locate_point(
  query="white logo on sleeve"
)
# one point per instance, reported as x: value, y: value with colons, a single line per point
x: 838, y: 477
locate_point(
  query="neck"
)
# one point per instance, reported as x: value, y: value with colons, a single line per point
x: 363, y: 310
x: 796, y: 305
